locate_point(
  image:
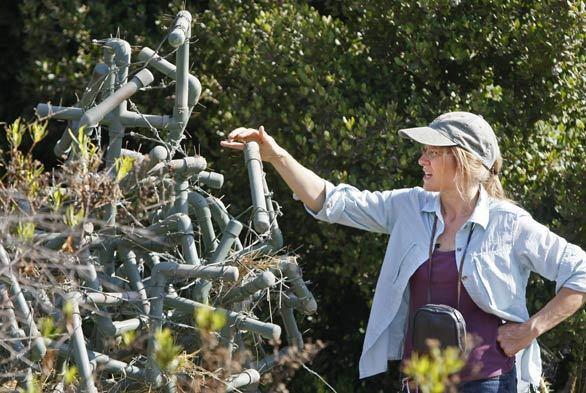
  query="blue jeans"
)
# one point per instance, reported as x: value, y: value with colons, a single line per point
x: 505, y: 383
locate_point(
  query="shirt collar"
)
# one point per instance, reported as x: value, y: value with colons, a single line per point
x: 479, y: 215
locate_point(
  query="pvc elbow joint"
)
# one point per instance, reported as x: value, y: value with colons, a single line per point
x: 121, y: 50
x: 169, y: 69
x: 181, y: 29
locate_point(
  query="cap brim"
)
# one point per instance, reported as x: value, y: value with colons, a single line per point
x: 426, y: 136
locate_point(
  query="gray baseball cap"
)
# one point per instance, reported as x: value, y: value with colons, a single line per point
x: 467, y: 130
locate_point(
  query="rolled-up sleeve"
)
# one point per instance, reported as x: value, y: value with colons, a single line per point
x: 366, y: 210
x: 550, y: 255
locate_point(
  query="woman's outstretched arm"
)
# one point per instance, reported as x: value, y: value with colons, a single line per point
x: 309, y: 187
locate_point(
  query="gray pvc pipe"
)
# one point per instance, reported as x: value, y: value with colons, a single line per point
x: 211, y: 179
x: 180, y: 30
x: 88, y: 273
x: 240, y: 321
x: 132, y: 119
x: 157, y: 293
x: 180, y: 204
x: 154, y: 157
x: 180, y: 110
x: 59, y: 112
x: 243, y: 379
x: 110, y: 83
x: 202, y: 289
x: 8, y: 318
x: 109, y: 328
x: 168, y: 69
x: 226, y: 339
x: 127, y: 118
x: 253, y: 163
x: 104, y: 362
x: 221, y: 217
x: 292, y: 301
x: 182, y: 224
x: 147, y: 161
x: 219, y: 213
x: 163, y: 271
x: 93, y: 116
x: 274, y: 242
x: 160, y: 273
x: 268, y: 362
x: 99, y: 74
x: 294, y: 337
x: 38, y: 348
x: 182, y: 270
x: 276, y: 236
x: 264, y: 280
x: 79, y: 349
x: 121, y: 51
x: 115, y: 140
x: 10, y: 326
x: 203, y: 215
x: 89, y: 95
x: 90, y: 279
x: 134, y: 277
x: 183, y: 167
x: 158, y: 154
x: 112, y: 298
x: 293, y: 273
x: 229, y: 235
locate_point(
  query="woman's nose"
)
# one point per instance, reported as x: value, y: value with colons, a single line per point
x: 423, y: 160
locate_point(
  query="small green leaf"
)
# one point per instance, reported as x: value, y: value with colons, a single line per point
x: 57, y: 198
x: 128, y: 338
x: 210, y: 319
x: 166, y: 351
x: 73, y: 218
x: 48, y: 328
x: 123, y: 166
x: 38, y: 131
x: 26, y: 231
x: 14, y: 133
x: 68, y: 311
x: 70, y: 375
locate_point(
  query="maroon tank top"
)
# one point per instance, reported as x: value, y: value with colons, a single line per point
x: 486, y: 358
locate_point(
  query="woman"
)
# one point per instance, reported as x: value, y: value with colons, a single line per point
x: 461, y: 219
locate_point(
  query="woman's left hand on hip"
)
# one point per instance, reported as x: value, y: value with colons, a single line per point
x: 514, y: 337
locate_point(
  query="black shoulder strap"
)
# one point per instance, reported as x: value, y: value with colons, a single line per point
x: 433, y: 230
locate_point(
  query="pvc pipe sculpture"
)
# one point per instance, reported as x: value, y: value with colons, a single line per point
x: 143, y: 276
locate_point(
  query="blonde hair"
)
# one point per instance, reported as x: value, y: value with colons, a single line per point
x: 470, y: 171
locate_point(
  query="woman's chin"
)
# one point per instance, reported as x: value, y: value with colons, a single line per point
x: 429, y: 187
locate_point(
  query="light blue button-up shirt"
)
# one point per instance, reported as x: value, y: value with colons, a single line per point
x: 506, y: 245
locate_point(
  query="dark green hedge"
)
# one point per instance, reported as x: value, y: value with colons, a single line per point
x: 333, y: 81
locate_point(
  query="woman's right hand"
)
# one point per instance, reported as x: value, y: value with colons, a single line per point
x: 269, y: 149
x: 304, y: 183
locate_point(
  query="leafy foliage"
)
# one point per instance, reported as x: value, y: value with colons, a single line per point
x: 209, y: 319
x: 432, y: 372
x: 166, y: 351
